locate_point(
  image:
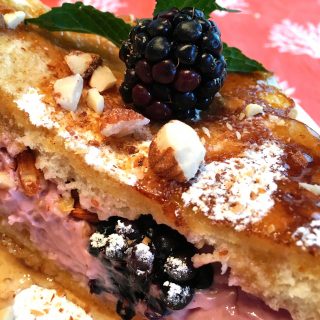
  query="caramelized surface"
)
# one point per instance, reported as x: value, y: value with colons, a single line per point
x: 294, y: 206
x: 223, y: 132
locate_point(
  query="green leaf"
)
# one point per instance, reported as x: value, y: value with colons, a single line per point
x: 238, y: 62
x: 207, y: 6
x: 84, y: 19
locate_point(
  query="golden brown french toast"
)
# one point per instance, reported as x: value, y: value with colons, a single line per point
x: 253, y: 204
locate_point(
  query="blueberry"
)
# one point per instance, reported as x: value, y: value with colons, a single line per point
x: 159, y: 27
x: 186, y: 53
x: 188, y: 31
x: 211, y: 42
x: 176, y: 296
x: 116, y: 246
x: 164, y: 72
x: 157, y: 49
x: 179, y: 268
x: 141, y: 259
x: 140, y: 42
x: 187, y: 80
x: 179, y: 17
x: 158, y: 111
x: 161, y: 92
x: 125, y: 51
x: 181, y: 100
x: 143, y: 71
x: 193, y: 12
x: 140, y: 95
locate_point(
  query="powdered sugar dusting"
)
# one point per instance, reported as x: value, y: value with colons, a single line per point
x: 238, y: 190
x: 39, y: 113
x: 308, y: 235
x: 41, y: 303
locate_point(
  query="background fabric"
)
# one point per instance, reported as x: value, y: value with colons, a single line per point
x: 284, y: 35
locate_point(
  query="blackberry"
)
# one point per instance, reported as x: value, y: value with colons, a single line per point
x: 148, y: 264
x: 179, y: 268
x: 174, y: 64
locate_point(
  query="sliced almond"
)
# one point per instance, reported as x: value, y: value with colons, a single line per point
x: 314, y: 188
x: 120, y: 122
x: 28, y: 174
x: 83, y: 63
x: 85, y: 215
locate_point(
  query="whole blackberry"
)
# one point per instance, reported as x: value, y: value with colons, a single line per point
x: 174, y: 64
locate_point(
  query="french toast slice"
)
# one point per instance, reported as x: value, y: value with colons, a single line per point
x: 268, y: 238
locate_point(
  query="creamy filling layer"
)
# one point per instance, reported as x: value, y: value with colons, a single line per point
x: 65, y: 241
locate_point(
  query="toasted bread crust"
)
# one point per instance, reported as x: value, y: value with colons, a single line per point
x: 225, y: 134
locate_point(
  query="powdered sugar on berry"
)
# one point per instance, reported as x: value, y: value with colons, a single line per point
x: 308, y: 236
x: 176, y: 293
x: 116, y: 243
x: 122, y: 228
x: 238, y: 190
x: 178, y: 266
x: 143, y: 253
x: 98, y: 240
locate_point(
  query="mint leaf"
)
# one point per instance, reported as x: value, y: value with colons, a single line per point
x: 207, y: 6
x: 238, y: 62
x: 84, y: 19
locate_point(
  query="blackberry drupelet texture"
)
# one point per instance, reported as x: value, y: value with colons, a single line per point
x: 149, y: 265
x: 174, y: 64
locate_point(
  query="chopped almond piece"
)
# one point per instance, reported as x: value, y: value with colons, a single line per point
x: 85, y: 215
x: 28, y: 174
x: 121, y: 122
x: 83, y: 63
